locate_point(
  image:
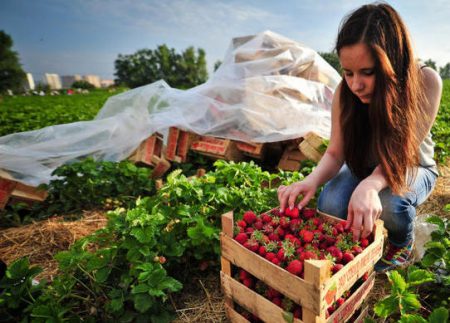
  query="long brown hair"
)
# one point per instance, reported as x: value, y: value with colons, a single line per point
x: 384, y: 131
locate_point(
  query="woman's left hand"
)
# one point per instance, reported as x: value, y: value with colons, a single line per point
x: 364, y: 209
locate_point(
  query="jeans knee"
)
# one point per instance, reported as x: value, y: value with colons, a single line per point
x: 332, y: 204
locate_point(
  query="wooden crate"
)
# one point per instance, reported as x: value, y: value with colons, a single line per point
x: 254, y: 150
x: 315, y: 293
x: 217, y: 148
x: 311, y: 146
x: 291, y: 159
x: 6, y: 188
x: 178, y: 143
x: 149, y: 148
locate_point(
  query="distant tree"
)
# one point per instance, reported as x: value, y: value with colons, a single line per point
x: 146, y: 66
x: 444, y: 72
x: 82, y: 84
x: 11, y: 74
x: 332, y: 59
x: 431, y: 63
x: 217, y: 65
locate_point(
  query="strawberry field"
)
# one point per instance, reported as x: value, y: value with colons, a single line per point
x: 157, y: 255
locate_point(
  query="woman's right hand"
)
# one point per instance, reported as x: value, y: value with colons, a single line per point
x: 287, y: 195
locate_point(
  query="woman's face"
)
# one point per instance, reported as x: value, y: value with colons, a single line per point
x: 359, y: 70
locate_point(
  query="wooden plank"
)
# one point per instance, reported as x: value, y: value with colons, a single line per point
x: 345, y: 311
x: 227, y: 228
x: 300, y: 291
x: 309, y: 151
x: 364, y: 313
x: 26, y: 192
x: 6, y: 188
x: 316, y: 272
x: 252, y: 301
x: 172, y: 141
x: 234, y: 316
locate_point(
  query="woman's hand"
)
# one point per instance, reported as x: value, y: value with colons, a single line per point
x: 364, y: 209
x: 287, y: 195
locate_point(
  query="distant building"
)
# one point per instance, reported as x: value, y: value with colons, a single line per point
x: 29, y: 82
x: 106, y: 83
x: 93, y: 79
x: 67, y: 80
x: 53, y: 81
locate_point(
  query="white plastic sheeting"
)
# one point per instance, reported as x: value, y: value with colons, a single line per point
x: 268, y: 88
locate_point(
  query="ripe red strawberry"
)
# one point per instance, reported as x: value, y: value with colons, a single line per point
x: 356, y: 250
x: 364, y: 242
x: 243, y: 274
x: 266, y: 218
x: 307, y: 236
x: 241, y: 238
x: 331, y: 309
x: 279, y: 231
x: 276, y: 261
x: 365, y: 276
x: 249, y: 217
x: 336, y: 268
x: 251, y: 245
x: 316, y: 222
x: 258, y: 225
x: 280, y: 255
x: 340, y: 301
x: 272, y: 293
x: 241, y: 223
x: 267, y: 228
x: 277, y: 301
x: 274, y: 237
x: 284, y: 222
x: 248, y: 282
x: 262, y: 251
x: 309, y: 213
x: 297, y: 312
x: 336, y: 253
x: 292, y: 213
x: 307, y: 254
x: 347, y: 257
x: 295, y: 267
x: 270, y: 256
x: 339, y: 227
x: 249, y: 230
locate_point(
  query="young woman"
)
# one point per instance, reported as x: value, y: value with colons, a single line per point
x: 379, y: 162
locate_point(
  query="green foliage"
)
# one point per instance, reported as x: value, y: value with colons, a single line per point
x: 431, y: 63
x: 146, y: 66
x: 429, y: 277
x: 441, y: 127
x: 89, y: 184
x: 81, y: 84
x: 17, y: 290
x: 444, y: 71
x: 24, y: 113
x: 332, y: 59
x: 11, y: 74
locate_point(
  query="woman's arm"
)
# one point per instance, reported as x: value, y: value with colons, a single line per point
x: 328, y: 167
x: 432, y: 83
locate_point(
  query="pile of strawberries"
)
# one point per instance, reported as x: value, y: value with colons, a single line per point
x: 289, y: 238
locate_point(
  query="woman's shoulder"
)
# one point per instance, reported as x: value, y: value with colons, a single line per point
x: 431, y: 79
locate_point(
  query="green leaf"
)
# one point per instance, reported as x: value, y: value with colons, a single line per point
x: 397, y: 281
x: 386, y: 307
x: 412, y: 318
x: 288, y: 317
x: 439, y: 315
x: 116, y: 304
x: 438, y: 221
x: 420, y: 276
x: 142, y: 302
x: 141, y: 288
x: 409, y: 302
x: 102, y: 274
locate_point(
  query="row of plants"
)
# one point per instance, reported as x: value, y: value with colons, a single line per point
x: 127, y: 270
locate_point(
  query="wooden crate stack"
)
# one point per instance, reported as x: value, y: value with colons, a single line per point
x: 318, y: 290
x: 217, y: 148
x: 12, y: 192
x: 150, y: 153
x: 178, y: 144
x: 312, y: 146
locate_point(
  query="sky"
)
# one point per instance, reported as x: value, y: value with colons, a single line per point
x: 86, y: 36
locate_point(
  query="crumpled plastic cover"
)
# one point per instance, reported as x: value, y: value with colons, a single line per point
x: 268, y: 88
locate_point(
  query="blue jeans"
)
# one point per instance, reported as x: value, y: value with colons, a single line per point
x: 398, y: 212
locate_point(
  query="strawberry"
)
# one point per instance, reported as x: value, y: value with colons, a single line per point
x: 267, y: 228
x: 270, y: 255
x: 258, y: 225
x: 364, y: 242
x: 272, y: 293
x: 307, y: 236
x: 243, y: 274
x: 365, y: 276
x: 295, y: 267
x: 284, y: 222
x: 331, y: 309
x: 336, y: 268
x: 262, y: 251
x: 276, y: 261
x: 339, y: 227
x: 248, y: 282
x: 274, y: 237
x: 242, y: 224
x: 292, y: 213
x: 249, y: 217
x: 241, y: 238
x: 266, y: 218
x: 336, y: 253
x: 297, y: 312
x: 347, y: 257
x: 309, y: 213
x: 316, y: 222
x: 280, y: 255
x: 307, y: 254
x: 340, y: 301
x: 356, y: 250
x: 277, y: 301
x: 251, y: 245
x: 249, y: 230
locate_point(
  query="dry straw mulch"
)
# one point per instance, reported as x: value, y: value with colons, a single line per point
x: 40, y: 241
